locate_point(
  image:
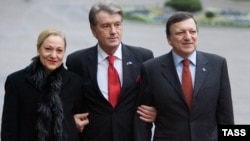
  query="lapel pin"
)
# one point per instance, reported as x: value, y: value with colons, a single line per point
x: 129, y: 63
x: 204, y: 69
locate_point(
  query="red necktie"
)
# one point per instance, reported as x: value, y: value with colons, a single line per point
x: 114, y: 86
x: 187, y: 86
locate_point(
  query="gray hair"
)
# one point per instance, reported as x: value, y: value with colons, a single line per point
x: 109, y: 7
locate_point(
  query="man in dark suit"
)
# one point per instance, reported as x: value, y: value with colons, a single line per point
x: 181, y: 115
x: 109, y: 122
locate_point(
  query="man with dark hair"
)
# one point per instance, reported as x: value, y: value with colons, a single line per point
x: 190, y: 89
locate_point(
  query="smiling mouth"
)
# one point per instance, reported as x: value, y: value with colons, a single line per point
x: 53, y: 62
x: 187, y: 43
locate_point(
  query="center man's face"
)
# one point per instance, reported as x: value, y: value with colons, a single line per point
x: 108, y: 30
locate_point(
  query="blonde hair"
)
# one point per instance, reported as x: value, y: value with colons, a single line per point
x: 46, y: 33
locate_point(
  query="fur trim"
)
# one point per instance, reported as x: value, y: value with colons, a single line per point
x: 50, y: 110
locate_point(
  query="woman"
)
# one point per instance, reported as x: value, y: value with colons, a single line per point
x: 39, y: 99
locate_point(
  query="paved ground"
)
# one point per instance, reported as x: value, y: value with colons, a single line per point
x: 22, y: 20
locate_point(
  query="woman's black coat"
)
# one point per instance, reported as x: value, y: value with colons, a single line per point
x: 19, y: 117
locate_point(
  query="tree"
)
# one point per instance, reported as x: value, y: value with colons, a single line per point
x: 185, y: 5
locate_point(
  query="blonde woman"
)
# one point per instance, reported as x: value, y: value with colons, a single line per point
x: 40, y: 99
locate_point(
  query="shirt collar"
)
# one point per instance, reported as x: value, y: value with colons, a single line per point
x: 177, y: 58
x: 102, y: 55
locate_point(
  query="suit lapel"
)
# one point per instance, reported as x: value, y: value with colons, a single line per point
x: 169, y: 72
x: 201, y: 71
x: 128, y: 64
x: 92, y: 69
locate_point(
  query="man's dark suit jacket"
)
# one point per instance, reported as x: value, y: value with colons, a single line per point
x: 106, y: 123
x: 212, y: 102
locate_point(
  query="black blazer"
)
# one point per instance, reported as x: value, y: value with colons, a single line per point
x: 212, y: 101
x: 106, y: 123
x: 21, y: 100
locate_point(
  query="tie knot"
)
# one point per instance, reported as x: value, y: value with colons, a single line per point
x: 186, y: 62
x: 111, y: 59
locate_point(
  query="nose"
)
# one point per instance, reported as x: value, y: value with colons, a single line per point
x: 187, y: 36
x: 53, y: 54
x: 112, y: 28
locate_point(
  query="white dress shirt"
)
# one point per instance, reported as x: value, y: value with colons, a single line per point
x: 102, y: 68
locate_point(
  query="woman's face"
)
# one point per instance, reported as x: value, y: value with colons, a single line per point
x: 51, y: 53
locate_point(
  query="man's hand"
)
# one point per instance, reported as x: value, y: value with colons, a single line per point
x: 147, y: 113
x: 81, y: 120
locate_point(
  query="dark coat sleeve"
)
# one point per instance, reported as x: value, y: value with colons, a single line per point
x: 225, y: 105
x: 10, y: 115
x: 143, y: 129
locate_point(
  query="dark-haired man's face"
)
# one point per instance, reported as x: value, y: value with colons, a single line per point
x: 183, y: 37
